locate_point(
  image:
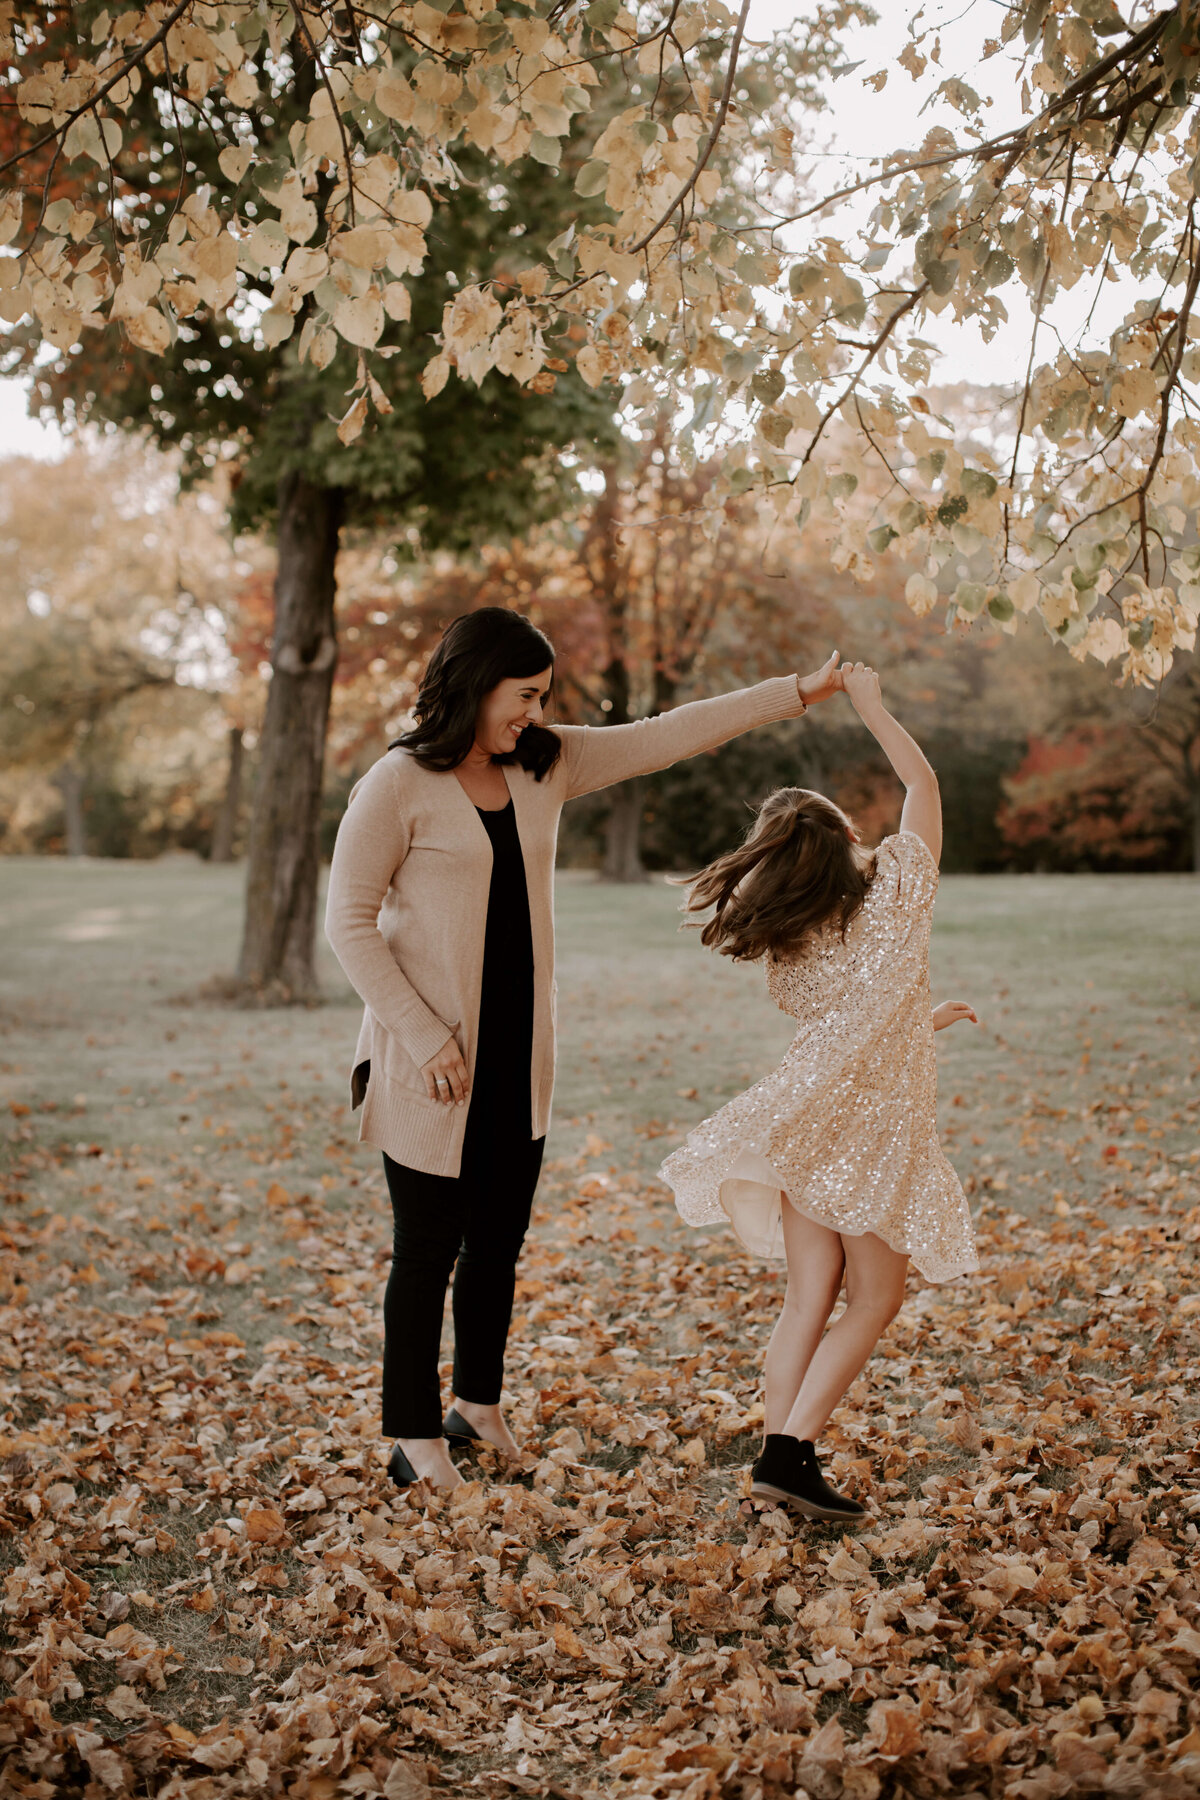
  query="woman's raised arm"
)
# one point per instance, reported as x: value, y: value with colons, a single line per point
x: 596, y: 756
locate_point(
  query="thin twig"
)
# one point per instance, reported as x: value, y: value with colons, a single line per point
x: 94, y: 99
x: 711, y: 141
x: 327, y: 85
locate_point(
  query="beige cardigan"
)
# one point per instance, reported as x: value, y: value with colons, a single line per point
x: 408, y: 896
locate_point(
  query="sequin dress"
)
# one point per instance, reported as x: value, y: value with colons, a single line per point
x: 846, y: 1126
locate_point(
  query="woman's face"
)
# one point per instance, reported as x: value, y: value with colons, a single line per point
x: 507, y: 709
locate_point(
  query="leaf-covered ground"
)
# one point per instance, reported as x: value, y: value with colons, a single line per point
x: 209, y: 1590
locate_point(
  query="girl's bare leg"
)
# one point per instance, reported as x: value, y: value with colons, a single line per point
x: 815, y: 1266
x: 875, y: 1276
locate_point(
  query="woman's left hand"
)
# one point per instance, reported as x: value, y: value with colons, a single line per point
x: 950, y: 1012
x: 823, y: 685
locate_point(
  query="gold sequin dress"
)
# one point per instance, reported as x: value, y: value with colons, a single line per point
x: 845, y: 1128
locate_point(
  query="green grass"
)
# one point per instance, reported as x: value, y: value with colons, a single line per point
x: 1088, y: 986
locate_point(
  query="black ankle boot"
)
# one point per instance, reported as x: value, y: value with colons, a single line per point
x: 788, y: 1473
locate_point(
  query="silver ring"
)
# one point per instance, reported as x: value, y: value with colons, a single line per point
x: 441, y: 1081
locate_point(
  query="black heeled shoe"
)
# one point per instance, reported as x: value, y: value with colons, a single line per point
x: 400, y: 1469
x: 789, y: 1474
x: 457, y: 1432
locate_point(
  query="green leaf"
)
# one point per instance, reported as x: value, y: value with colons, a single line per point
x: 545, y: 149
x: 941, y: 276
x: 1001, y: 607
x: 977, y: 485
x: 970, y: 596
x: 1139, y: 635
x: 804, y: 279
x: 879, y: 539
x: 768, y: 385
x: 754, y: 269
x: 738, y: 365
x: 707, y: 406
x: 952, y: 507
x: 601, y: 15
x: 909, y: 517
x: 842, y: 486
x: 592, y: 179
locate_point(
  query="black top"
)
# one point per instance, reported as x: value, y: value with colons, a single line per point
x: 505, y: 1053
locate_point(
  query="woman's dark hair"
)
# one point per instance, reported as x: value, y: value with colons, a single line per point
x: 797, y: 870
x: 476, y: 653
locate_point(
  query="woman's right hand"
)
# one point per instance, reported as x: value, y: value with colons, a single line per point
x: 861, y: 684
x: 446, y: 1075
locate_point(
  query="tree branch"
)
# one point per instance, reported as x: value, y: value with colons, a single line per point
x: 711, y: 142
x: 114, y: 81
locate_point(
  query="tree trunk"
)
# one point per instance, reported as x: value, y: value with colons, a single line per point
x: 279, y: 941
x: 1196, y: 829
x: 623, y: 833
x: 69, y: 782
x: 225, y: 829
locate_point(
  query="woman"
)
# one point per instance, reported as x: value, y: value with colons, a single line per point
x: 440, y: 910
x: 832, y: 1161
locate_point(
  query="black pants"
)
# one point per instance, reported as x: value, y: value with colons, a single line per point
x: 477, y: 1219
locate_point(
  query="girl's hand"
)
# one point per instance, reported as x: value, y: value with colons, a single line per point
x: 861, y: 685
x: 826, y: 682
x: 950, y: 1012
x: 446, y: 1075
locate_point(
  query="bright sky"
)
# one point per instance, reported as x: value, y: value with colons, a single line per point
x: 862, y: 124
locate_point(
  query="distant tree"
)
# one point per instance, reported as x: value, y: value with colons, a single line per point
x: 1113, y: 793
x: 251, y: 213
x: 109, y: 590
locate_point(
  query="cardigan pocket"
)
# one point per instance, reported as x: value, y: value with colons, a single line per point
x: 399, y: 1068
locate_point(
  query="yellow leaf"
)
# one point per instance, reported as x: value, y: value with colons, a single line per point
x: 353, y: 422
x: 366, y: 246
x: 234, y: 160
x: 360, y: 321
x: 11, y: 212
x: 412, y: 206
x: 590, y: 365
x: 397, y: 301
x: 921, y: 594
x: 470, y: 319
x: 149, y: 330
x: 435, y: 375
x: 276, y: 325
x: 394, y: 98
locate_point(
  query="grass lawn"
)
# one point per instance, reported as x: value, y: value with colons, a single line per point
x: 1088, y: 988
x: 206, y: 1582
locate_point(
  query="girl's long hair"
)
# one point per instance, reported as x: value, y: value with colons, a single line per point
x: 796, y: 871
x: 477, y: 652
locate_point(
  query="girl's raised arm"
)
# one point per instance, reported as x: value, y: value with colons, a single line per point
x: 922, y: 812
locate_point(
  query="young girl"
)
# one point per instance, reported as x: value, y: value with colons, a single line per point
x: 832, y: 1161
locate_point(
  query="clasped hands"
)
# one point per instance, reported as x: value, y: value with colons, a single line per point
x: 854, y: 679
